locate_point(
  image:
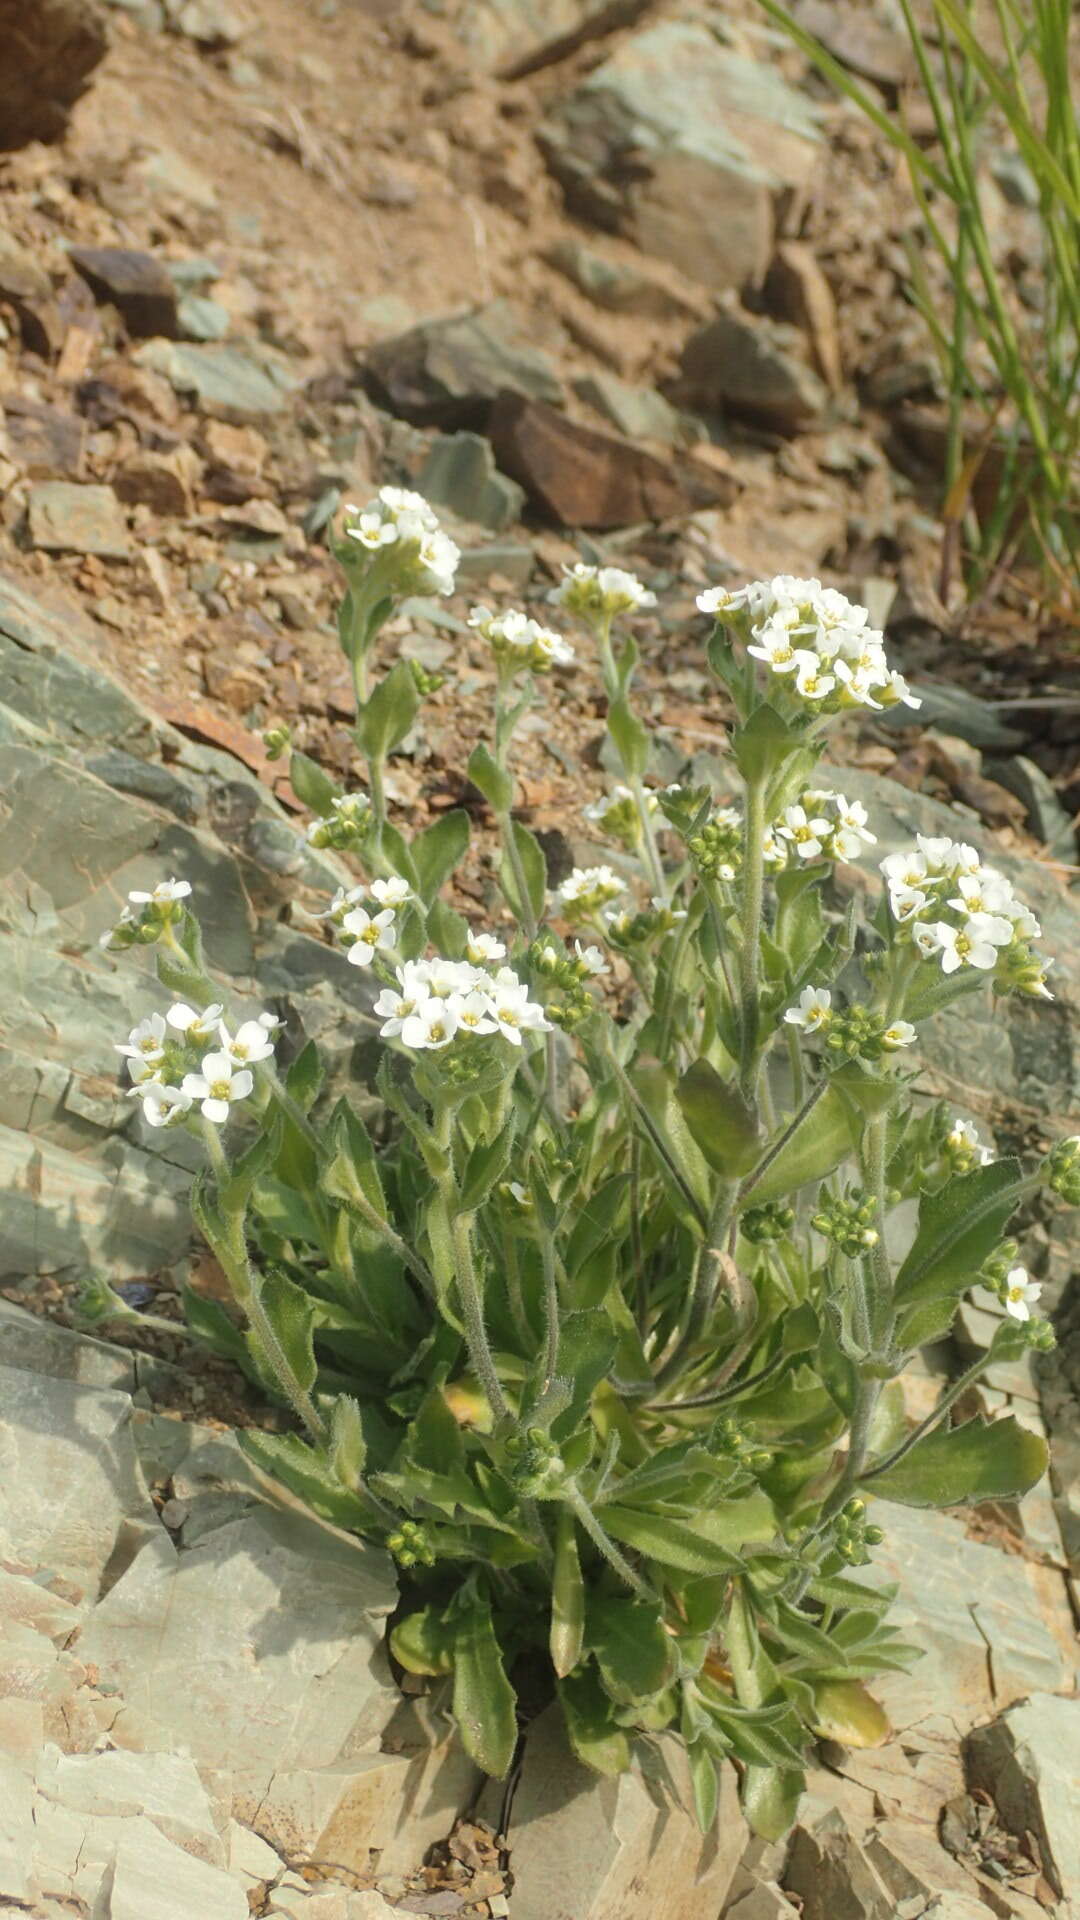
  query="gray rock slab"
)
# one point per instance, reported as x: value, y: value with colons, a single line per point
x: 154, y: 1880
x: 39, y: 1346
x: 68, y: 1461
x: 1029, y: 1761
x: 520, y: 34
x: 739, y: 363
x: 976, y: 1612
x: 64, y: 517
x: 16, y: 1831
x: 122, y: 1210
x: 448, y: 370
x: 588, y: 1849
x: 229, y: 382
x: 162, y: 1788
x: 763, y: 1902
x: 832, y: 1875
x: 263, y: 1640
x: 682, y: 145
x: 460, y: 473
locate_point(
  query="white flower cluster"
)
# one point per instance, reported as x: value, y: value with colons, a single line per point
x: 601, y: 591
x: 518, y: 641
x: 399, y: 520
x: 823, y: 825
x: 159, y: 1049
x: 963, y: 914
x: 617, y: 814
x: 367, y: 917
x: 817, y: 643
x: 586, y: 890
x: 814, y: 1013
x: 151, y: 909
x: 435, y: 1000
x: 963, y: 1139
x: 350, y: 818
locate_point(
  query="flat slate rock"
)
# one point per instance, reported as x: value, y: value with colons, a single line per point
x: 585, y: 478
x: 66, y: 518
x: 446, y: 372
x: 230, y: 382
x: 137, y: 284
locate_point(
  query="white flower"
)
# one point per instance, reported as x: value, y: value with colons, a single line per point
x: 164, y: 894
x: 1020, y: 1293
x: 195, y: 1026
x: 250, y: 1043
x: 808, y: 835
x: 472, y: 1011
x: 344, y: 898
x: 590, y: 958
x: 904, y: 870
x: 161, y: 1105
x: 982, y: 892
x: 392, y: 892
x: 900, y: 1034
x: 906, y: 904
x: 551, y: 648
x: 900, y: 692
x: 270, y: 1021
x: 140, y: 1070
x: 432, y: 1025
x: 393, y: 1008
x: 777, y: 649
x: 438, y: 562
x: 925, y: 938
x: 513, y: 1010
x: 963, y: 1134
x: 975, y: 944
x: 372, y: 531
x: 593, y: 885
x: 853, y: 817
x: 146, y: 1042
x: 810, y: 681
x: 446, y: 979
x: 939, y: 852
x: 369, y: 932
x: 814, y: 1010
x: 484, y: 946
x: 218, y: 1086
x: 398, y: 500
x: 587, y: 589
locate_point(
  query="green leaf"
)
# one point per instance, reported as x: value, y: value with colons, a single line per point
x: 631, y: 738
x: 816, y: 1148
x: 846, y: 1712
x: 491, y: 780
x: 312, y: 787
x: 567, y: 1598
x: 634, y: 1654
x: 956, y: 1465
x: 288, y: 1459
x: 387, y: 716
x: 800, y: 919
x: 770, y: 1799
x: 723, y: 1125
x: 210, y: 1322
x: 761, y: 745
x: 305, y: 1077
x: 398, y: 854
x: 423, y: 1643
x: 959, y: 1227
x: 437, y: 850
x: 595, y: 1734
x: 350, y: 1170
x: 673, y: 1543
x: 866, y: 1095
x: 601, y: 1218
x: 291, y: 1314
x: 485, y: 1166
x: 533, y: 866
x: 704, y: 1783
x: 484, y: 1701
x: 348, y: 1448
x: 244, y: 1171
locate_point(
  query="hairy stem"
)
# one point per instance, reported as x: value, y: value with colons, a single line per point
x: 752, y: 897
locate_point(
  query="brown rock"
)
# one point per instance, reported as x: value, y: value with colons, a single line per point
x: 747, y: 365
x: 51, y: 48
x: 26, y: 287
x: 135, y: 283
x: 587, y: 479
x: 239, y: 686
x: 796, y: 290
x: 161, y: 481
x: 46, y: 441
x: 243, y: 449
x: 832, y: 1875
x: 856, y: 36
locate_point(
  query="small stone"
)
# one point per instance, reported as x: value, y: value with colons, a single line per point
x: 201, y: 319
x: 746, y: 365
x: 25, y: 285
x: 622, y: 287
x: 44, y: 440
x: 763, y: 1902
x: 263, y: 517
x: 587, y: 479
x: 832, y: 1875
x: 460, y: 473
x: 136, y: 284
x: 63, y: 518
x: 447, y: 372
x: 154, y: 1880
x: 796, y: 290
x: 1015, y: 178
x: 638, y: 412
x: 210, y: 23
x: 50, y: 52
x: 169, y: 177
x: 161, y: 481
x: 854, y: 33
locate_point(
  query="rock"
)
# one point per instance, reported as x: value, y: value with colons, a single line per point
x: 162, y: 1788
x: 154, y: 1880
x: 50, y: 52
x: 161, y: 481
x: 587, y: 479
x: 745, y: 365
x: 25, y: 285
x: 832, y: 1875
x: 446, y: 372
x: 764, y: 1902
x: 69, y: 1464
x: 638, y: 412
x: 260, y: 1640
x: 855, y: 34
x: 1015, y: 178
x: 65, y: 518
x: 210, y: 23
x: 16, y: 1832
x: 625, y: 286
x: 168, y: 177
x: 1046, y: 817
x: 460, y: 473
x: 911, y: 1860
x: 683, y: 146
x: 45, y: 440
x: 136, y: 284
x: 589, y: 1849
x: 1028, y: 1760
x: 234, y: 383
x: 515, y: 37
x: 201, y: 319
x: 796, y: 290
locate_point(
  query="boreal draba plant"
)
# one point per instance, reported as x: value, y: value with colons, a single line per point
x: 590, y: 1311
